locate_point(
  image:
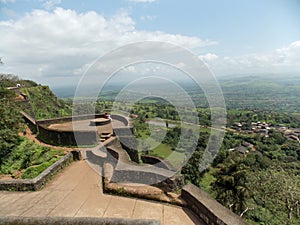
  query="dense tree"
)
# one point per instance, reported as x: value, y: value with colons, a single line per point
x: 276, y: 193
x: 230, y: 185
x: 191, y: 171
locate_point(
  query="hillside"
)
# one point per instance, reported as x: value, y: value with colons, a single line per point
x: 19, y: 156
x: 44, y: 104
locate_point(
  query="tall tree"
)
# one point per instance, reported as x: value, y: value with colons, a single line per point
x: 230, y: 185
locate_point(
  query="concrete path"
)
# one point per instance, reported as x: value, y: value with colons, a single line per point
x: 77, y: 192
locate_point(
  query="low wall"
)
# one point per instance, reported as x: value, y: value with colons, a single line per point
x: 67, y: 138
x: 157, y: 162
x: 208, y: 209
x: 30, y: 121
x: 126, y: 171
x: 123, y: 119
x: 123, y: 131
x: 38, y: 182
x: 138, y: 177
x: 28, y: 118
x: 129, y: 144
x: 73, y: 220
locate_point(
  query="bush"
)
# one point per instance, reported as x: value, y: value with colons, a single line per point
x: 30, y: 158
x: 34, y: 171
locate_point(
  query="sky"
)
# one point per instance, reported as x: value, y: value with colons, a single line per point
x: 54, y: 41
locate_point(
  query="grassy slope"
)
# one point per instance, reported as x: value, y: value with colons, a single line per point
x: 45, y: 104
x: 28, y: 159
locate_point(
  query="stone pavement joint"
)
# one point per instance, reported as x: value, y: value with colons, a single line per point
x: 77, y: 192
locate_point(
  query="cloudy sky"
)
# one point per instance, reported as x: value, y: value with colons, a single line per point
x: 54, y: 41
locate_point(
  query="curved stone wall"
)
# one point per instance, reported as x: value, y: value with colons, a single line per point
x: 55, y: 136
x: 66, y: 138
x: 123, y: 119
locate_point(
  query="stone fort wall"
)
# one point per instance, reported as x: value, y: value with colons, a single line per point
x: 67, y: 138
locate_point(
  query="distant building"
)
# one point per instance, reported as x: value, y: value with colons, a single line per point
x: 242, y: 149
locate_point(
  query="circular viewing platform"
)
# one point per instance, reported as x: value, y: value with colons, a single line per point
x: 100, y: 121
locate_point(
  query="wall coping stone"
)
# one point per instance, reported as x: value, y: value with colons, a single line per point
x: 74, y: 221
x: 208, y: 209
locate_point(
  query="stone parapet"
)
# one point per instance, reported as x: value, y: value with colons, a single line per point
x: 208, y: 209
x: 74, y: 220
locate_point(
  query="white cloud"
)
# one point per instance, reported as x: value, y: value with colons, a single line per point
x: 63, y: 42
x: 284, y: 59
x: 6, y: 1
x: 51, y: 4
x: 142, y: 1
x: 208, y: 57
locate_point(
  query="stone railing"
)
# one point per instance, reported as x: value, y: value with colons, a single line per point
x: 38, y: 182
x: 74, y: 220
x: 123, y: 119
x: 208, y: 209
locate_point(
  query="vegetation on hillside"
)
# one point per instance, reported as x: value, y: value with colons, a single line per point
x: 27, y: 160
x: 262, y: 186
x: 20, y: 157
x: 10, y: 121
x: 44, y: 104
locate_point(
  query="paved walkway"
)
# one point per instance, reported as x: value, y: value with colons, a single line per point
x: 77, y: 192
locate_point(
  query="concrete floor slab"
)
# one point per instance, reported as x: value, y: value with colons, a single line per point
x: 77, y: 192
x: 148, y: 210
x: 8, y: 200
x: 120, y: 208
x: 176, y: 216
x: 25, y: 203
x: 95, y: 205
x: 70, y: 204
x: 46, y: 204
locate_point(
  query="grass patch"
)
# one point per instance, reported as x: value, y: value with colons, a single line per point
x: 34, y: 171
x: 29, y: 159
x: 165, y: 151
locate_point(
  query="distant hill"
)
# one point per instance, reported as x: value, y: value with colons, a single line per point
x: 35, y: 99
x: 272, y: 92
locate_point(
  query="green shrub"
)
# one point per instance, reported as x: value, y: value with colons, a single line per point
x: 30, y: 158
x: 34, y: 171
